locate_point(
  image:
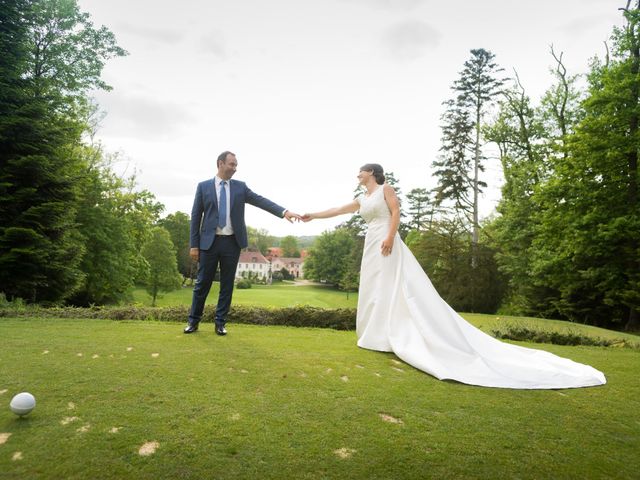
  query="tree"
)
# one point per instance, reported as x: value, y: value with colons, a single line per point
x: 285, y: 274
x: 444, y: 253
x: 560, y: 107
x: 67, y: 54
x: 259, y: 239
x: 421, y: 210
x: 41, y: 123
x: 178, y: 226
x: 160, y: 255
x: 289, y: 246
x: 476, y: 88
x: 110, y: 259
x: 141, y: 212
x: 524, y: 146
x: 328, y: 258
x: 453, y: 164
x: 590, y: 217
x: 350, y: 280
x: 39, y: 248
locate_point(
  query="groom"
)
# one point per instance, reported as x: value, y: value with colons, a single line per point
x: 218, y: 232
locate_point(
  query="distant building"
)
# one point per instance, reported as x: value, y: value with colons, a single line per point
x: 253, y: 264
x: 295, y: 266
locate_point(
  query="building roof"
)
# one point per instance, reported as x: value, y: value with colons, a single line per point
x: 288, y: 260
x: 252, y: 257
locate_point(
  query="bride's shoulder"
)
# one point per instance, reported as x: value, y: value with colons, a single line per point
x: 388, y: 189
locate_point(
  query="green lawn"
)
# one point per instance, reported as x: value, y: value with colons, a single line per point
x: 279, y: 402
x: 276, y: 295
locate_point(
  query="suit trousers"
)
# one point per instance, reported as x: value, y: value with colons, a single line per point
x: 224, y: 252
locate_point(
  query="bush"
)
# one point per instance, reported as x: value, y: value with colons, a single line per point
x: 243, y: 284
x: 303, y: 316
x: 285, y: 274
x: 525, y: 334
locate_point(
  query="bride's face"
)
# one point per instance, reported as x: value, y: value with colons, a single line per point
x: 363, y: 176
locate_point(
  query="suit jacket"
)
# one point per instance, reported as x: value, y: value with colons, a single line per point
x: 204, y: 214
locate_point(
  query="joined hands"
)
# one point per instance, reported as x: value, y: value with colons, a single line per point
x: 290, y: 216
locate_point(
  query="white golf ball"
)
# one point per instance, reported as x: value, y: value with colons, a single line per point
x: 22, y: 403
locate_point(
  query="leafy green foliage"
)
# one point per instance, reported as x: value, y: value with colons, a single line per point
x: 421, y: 209
x: 525, y: 147
x: 53, y: 57
x: 39, y: 249
x: 259, y: 239
x: 160, y: 255
x: 445, y: 254
x: 178, y: 226
x: 568, y: 236
x: 289, y: 246
x: 67, y: 53
x: 329, y: 257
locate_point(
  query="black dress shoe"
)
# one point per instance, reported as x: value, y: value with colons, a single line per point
x: 220, y: 330
x: 191, y: 329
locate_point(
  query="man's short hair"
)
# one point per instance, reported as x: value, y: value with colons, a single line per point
x: 222, y: 158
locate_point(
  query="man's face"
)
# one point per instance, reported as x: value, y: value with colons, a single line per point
x: 227, y: 168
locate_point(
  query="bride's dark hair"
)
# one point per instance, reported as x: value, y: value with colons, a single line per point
x: 377, y: 170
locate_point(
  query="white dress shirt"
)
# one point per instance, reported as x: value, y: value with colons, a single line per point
x: 228, y: 228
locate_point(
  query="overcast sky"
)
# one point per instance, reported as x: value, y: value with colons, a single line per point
x: 305, y: 92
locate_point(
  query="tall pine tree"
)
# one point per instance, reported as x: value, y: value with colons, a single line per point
x: 460, y: 165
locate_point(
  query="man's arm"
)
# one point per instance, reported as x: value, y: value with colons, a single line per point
x: 256, y: 200
x: 196, y: 218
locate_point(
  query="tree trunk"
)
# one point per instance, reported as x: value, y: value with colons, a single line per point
x: 633, y: 321
x: 476, y: 168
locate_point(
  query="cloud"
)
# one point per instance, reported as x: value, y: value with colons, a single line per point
x: 402, y: 5
x: 410, y: 40
x: 142, y: 117
x: 213, y: 44
x: 162, y: 35
x: 578, y: 26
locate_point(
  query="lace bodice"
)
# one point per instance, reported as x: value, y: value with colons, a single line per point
x: 373, y: 207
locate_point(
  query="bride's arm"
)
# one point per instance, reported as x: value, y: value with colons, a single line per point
x: 333, y: 212
x: 394, y: 207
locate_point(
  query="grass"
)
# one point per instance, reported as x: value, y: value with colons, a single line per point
x: 276, y: 295
x: 278, y: 402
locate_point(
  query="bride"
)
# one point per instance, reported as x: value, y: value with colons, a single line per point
x: 400, y: 311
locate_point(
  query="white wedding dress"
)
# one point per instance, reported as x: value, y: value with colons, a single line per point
x: 400, y: 311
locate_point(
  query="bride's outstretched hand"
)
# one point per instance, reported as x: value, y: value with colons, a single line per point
x: 307, y: 217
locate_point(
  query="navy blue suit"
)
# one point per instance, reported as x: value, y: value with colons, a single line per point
x: 219, y: 249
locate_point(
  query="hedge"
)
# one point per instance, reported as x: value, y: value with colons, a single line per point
x: 304, y: 316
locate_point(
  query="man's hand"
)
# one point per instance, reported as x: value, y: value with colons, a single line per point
x: 194, y: 253
x: 289, y: 215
